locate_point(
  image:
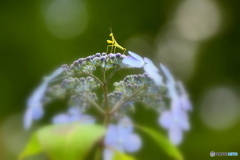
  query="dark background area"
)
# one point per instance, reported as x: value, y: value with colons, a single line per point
x: 38, y: 36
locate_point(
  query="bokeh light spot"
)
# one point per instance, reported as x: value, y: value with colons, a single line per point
x: 198, y: 19
x: 176, y: 52
x: 65, y: 19
x: 219, y: 108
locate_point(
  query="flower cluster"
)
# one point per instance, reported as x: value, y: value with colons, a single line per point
x: 89, y: 64
x: 78, y: 82
x: 176, y: 118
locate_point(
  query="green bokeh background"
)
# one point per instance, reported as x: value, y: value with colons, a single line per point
x: 29, y: 51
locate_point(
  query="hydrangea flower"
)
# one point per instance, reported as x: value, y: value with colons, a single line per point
x: 74, y: 114
x: 81, y: 85
x: 183, y: 96
x: 175, y: 123
x: 175, y: 119
x: 34, y: 104
x: 121, y: 138
x: 136, y: 61
x: 176, y: 91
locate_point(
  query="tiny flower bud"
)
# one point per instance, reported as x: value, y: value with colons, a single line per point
x: 88, y: 58
x: 71, y: 66
x: 75, y: 63
x: 103, y: 58
x: 65, y: 66
x: 123, y: 56
x: 118, y: 55
x: 98, y: 55
x: 82, y: 79
x: 80, y: 60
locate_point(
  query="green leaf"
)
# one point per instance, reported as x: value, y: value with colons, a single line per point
x: 32, y: 148
x: 65, y: 141
x: 162, y: 142
x: 122, y: 156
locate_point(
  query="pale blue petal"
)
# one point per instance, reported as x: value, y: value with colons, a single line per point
x: 166, y: 119
x: 86, y: 119
x: 74, y: 118
x: 55, y: 74
x: 74, y: 111
x: 136, y: 56
x: 111, y: 135
x: 37, y: 95
x: 182, y: 119
x: 176, y: 105
x: 125, y: 125
x: 155, y: 76
x: 132, y: 143
x: 129, y: 60
x: 186, y: 104
x: 167, y: 73
x: 107, y: 154
x: 35, y: 105
x: 150, y: 65
x: 27, y: 121
x: 61, y: 118
x: 37, y: 111
x: 172, y: 92
x: 175, y: 134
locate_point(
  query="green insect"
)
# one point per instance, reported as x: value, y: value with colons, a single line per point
x: 113, y: 43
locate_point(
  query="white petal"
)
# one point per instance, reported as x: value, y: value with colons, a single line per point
x: 55, y: 74
x: 166, y: 119
x: 136, y: 56
x: 107, y: 154
x: 155, y: 76
x: 167, y: 73
x: 28, y: 118
x: 150, y: 64
x: 131, y: 61
x: 175, y: 134
x: 132, y: 143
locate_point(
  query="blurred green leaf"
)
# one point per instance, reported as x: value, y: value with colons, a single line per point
x: 32, y: 148
x: 122, y: 156
x: 65, y: 141
x: 162, y: 142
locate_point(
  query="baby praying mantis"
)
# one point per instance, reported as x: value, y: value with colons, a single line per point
x: 113, y: 43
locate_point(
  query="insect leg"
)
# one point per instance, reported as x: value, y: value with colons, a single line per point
x: 109, y: 46
x: 124, y: 50
x: 112, y: 47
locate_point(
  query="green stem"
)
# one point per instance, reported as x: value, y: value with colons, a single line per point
x: 93, y: 103
x: 97, y: 79
x: 97, y: 154
x: 119, y: 104
x: 105, y: 91
x: 112, y: 73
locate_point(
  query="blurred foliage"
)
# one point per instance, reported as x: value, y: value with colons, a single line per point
x: 62, y: 141
x: 28, y: 51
